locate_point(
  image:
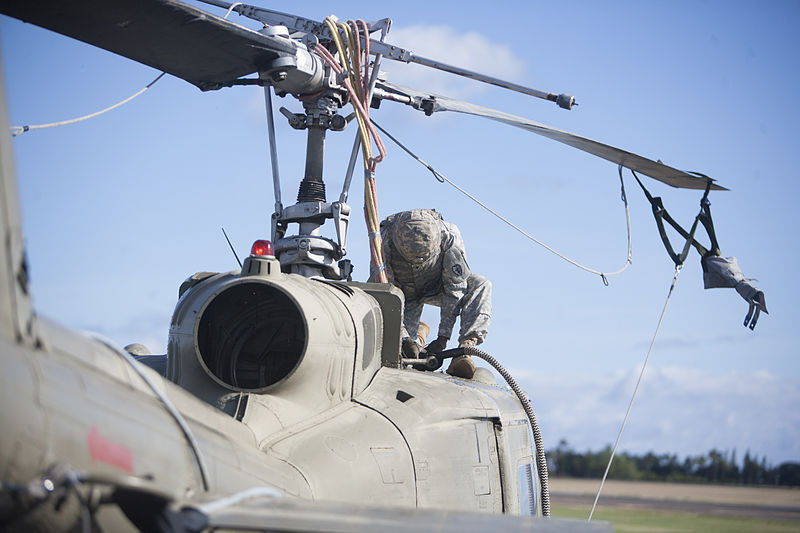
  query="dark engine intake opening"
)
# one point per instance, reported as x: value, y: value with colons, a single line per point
x: 251, y: 336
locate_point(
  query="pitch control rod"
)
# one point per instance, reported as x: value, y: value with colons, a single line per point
x: 564, y: 101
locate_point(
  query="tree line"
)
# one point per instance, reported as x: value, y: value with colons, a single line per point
x: 714, y: 467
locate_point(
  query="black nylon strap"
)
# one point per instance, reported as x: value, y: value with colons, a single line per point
x: 708, y: 224
x: 704, y: 217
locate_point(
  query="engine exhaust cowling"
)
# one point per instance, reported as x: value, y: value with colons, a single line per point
x: 283, y: 337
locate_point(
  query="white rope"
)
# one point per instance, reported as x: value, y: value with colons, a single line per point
x: 254, y: 492
x: 16, y: 130
x: 168, y: 405
x: 230, y: 9
x: 442, y: 178
x: 635, y: 390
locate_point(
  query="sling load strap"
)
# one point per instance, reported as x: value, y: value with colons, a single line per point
x: 704, y: 217
x: 706, y: 221
x: 718, y: 271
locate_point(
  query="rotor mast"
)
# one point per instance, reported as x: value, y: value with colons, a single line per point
x: 309, y: 253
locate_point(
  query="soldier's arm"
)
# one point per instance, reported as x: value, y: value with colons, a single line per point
x: 454, y: 284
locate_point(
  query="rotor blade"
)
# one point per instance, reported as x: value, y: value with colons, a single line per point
x: 431, y: 103
x: 168, y: 35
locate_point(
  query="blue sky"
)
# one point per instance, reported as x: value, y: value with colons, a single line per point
x: 120, y: 209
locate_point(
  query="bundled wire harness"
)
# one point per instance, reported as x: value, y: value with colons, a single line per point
x: 354, y: 66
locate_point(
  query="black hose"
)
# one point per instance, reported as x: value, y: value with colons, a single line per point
x: 541, y: 460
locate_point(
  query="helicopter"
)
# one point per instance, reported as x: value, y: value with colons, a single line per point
x: 300, y: 282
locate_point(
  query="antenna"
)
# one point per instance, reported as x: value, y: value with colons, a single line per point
x: 231, y: 245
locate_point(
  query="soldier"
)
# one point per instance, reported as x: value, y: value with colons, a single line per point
x: 425, y: 258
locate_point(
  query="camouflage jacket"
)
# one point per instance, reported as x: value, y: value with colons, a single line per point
x: 440, y: 280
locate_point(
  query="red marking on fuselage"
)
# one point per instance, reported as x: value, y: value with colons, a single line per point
x: 108, y: 451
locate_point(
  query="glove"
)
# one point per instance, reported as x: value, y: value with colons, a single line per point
x: 438, y: 345
x: 410, y: 348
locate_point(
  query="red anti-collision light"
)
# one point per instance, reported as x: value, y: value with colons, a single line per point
x: 262, y: 247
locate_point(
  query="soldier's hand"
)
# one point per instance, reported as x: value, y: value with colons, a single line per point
x: 410, y: 348
x: 438, y: 345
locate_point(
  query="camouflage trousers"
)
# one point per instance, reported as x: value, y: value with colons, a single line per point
x: 475, y: 309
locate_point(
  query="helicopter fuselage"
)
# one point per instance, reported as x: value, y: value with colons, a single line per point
x: 336, y: 420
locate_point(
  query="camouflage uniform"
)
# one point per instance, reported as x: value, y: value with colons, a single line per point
x: 425, y: 258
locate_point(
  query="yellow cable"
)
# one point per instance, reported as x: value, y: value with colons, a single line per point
x: 351, y: 58
x: 355, y: 74
x: 337, y: 40
x: 343, y: 60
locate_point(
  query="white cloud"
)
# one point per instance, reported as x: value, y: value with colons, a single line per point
x: 677, y: 410
x: 472, y: 51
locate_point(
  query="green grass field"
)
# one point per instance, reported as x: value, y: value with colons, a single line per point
x: 637, y: 521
